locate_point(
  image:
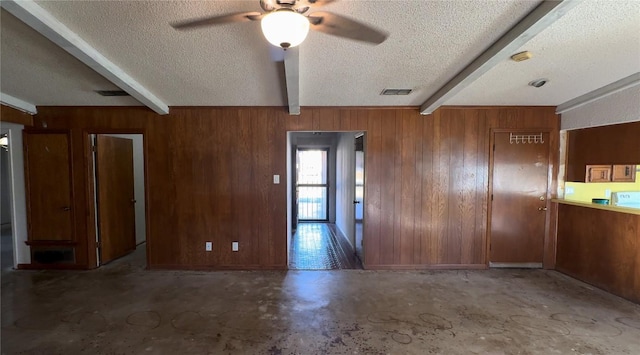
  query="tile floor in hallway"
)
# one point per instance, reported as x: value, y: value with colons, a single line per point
x: 123, y: 309
x: 321, y: 246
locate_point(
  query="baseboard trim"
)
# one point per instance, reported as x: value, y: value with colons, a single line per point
x: 427, y: 267
x: 216, y: 267
x: 515, y: 265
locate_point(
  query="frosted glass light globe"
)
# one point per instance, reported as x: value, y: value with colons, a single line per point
x: 285, y: 28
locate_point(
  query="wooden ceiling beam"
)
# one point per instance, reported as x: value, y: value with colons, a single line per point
x: 535, y: 22
x: 46, y: 24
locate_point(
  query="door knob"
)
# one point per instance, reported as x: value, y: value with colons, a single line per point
x: 356, y: 201
x: 65, y: 208
x: 542, y: 208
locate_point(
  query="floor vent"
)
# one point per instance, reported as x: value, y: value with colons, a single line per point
x: 53, y: 255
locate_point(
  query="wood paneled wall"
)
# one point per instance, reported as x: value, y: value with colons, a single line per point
x: 9, y: 114
x: 601, y: 248
x: 615, y: 144
x: 209, y: 173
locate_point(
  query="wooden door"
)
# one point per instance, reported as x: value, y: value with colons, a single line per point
x: 115, y: 197
x: 48, y: 184
x: 519, y: 199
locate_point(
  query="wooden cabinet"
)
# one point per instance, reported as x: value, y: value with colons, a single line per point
x: 598, y: 173
x: 601, y: 248
x: 624, y: 173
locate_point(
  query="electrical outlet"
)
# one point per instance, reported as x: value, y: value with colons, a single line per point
x: 276, y: 179
x: 234, y: 246
x: 607, y: 193
x: 569, y: 190
x: 208, y: 246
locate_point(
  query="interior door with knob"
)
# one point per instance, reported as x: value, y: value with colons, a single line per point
x: 115, y: 197
x: 48, y: 184
x: 519, y: 201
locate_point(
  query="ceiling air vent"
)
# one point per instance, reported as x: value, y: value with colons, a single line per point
x: 396, y: 92
x: 112, y: 92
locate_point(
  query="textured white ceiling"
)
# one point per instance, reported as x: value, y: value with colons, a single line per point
x: 595, y: 44
x: 233, y: 65
x: 37, y: 71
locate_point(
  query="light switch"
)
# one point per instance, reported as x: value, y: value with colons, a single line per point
x: 234, y: 246
x: 276, y: 179
x: 208, y: 246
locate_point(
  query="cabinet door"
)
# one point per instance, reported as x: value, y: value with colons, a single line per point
x: 598, y: 173
x: 624, y: 173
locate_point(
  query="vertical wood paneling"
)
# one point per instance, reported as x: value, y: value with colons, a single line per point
x: 396, y: 166
x: 416, y: 197
x: 10, y: 114
x: 210, y: 178
x: 468, y: 188
x: 428, y: 189
x: 456, y: 188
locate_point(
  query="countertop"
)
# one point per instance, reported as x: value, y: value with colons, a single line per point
x: 635, y: 211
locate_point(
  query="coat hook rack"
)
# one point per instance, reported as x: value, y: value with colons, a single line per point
x: 526, y: 138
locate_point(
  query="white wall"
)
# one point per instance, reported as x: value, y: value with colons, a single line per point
x: 5, y: 201
x: 18, y: 195
x: 138, y: 176
x: 620, y: 107
x: 345, y: 185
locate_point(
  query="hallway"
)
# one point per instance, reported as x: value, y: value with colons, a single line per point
x: 320, y: 246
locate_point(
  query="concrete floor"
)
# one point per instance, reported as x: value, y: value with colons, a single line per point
x: 123, y: 309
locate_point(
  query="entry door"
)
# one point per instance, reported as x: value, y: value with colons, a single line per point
x: 358, y: 201
x: 48, y: 183
x: 313, y: 184
x: 115, y: 197
x: 519, y: 194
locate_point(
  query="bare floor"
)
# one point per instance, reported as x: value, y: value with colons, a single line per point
x: 123, y: 309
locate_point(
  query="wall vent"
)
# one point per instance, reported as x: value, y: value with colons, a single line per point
x: 396, y: 92
x: 112, y: 93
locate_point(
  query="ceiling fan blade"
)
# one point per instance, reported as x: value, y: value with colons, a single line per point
x: 345, y: 27
x: 217, y: 20
x: 316, y: 3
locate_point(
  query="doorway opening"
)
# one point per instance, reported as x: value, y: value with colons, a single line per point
x: 322, y: 200
x: 15, y: 251
x: 6, y: 236
x: 119, y: 211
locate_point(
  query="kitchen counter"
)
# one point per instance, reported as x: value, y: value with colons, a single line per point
x: 612, y: 208
x: 600, y: 245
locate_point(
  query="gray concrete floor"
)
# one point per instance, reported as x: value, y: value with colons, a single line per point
x: 123, y: 309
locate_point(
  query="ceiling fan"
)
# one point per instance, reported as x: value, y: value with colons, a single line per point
x: 285, y: 23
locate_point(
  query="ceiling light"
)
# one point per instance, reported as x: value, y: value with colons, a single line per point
x: 538, y: 83
x: 522, y: 56
x: 285, y: 28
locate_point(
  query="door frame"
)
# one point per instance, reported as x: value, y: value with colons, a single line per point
x: 92, y: 244
x: 364, y: 184
x: 549, y: 244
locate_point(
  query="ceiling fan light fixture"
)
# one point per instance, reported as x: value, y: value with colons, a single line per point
x: 285, y: 28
